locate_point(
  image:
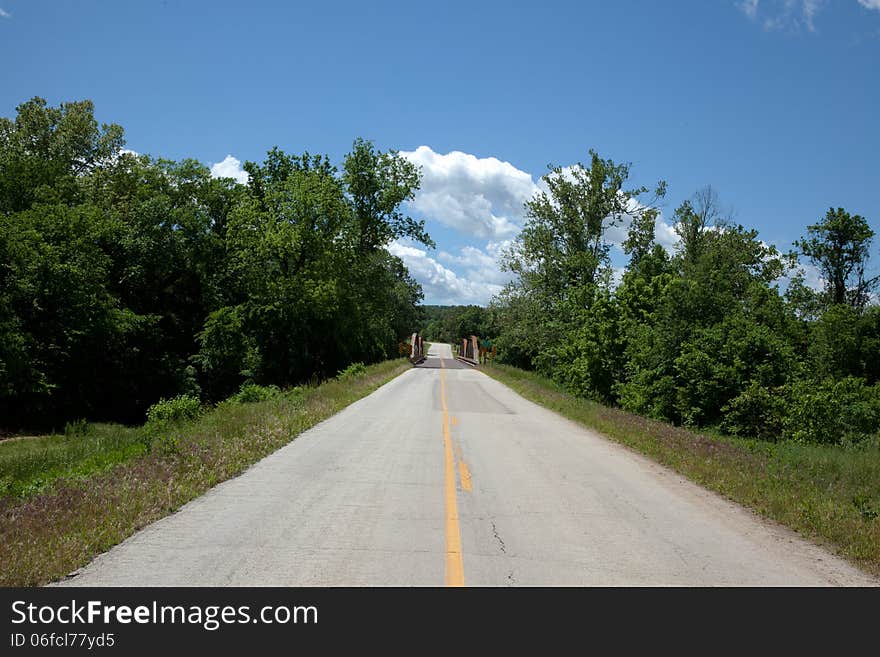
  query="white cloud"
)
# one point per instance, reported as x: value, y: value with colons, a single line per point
x: 484, y: 198
x: 749, y: 8
x: 785, y: 14
x: 811, y: 8
x: 664, y: 233
x: 870, y: 4
x: 812, y: 276
x: 481, y: 265
x: 5, y: 14
x: 480, y: 197
x: 440, y: 284
x: 230, y: 167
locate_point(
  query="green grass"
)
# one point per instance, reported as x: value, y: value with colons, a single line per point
x: 828, y: 493
x: 92, y: 495
x: 29, y: 465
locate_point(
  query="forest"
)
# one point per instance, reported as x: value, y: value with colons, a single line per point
x: 125, y: 278
x: 720, y: 332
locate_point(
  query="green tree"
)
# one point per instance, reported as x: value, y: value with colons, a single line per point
x: 377, y: 184
x: 46, y: 149
x: 839, y: 246
x: 563, y: 247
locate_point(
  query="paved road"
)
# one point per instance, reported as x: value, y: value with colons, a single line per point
x: 445, y: 476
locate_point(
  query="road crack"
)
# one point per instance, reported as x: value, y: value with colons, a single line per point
x: 498, y: 538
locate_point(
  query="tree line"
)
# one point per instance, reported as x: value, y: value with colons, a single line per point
x: 721, y: 332
x: 452, y: 323
x: 126, y: 278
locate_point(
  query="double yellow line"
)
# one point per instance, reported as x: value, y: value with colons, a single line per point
x: 454, y: 564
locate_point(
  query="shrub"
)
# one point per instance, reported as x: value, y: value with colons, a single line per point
x: 157, y: 431
x: 353, y: 370
x: 182, y: 407
x: 251, y: 392
x: 757, y: 412
x: 833, y: 411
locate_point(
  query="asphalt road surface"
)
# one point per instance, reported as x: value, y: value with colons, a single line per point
x: 446, y: 477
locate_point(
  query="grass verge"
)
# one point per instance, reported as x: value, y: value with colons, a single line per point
x: 827, y: 493
x: 89, y: 498
x: 30, y: 465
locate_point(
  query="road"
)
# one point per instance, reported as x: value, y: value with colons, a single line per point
x: 446, y: 477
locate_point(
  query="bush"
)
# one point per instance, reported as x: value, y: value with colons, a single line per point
x: 251, y: 392
x: 182, y: 407
x: 833, y: 411
x: 353, y: 370
x: 157, y: 432
x: 757, y: 412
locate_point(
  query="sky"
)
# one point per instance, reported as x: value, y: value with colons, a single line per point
x: 775, y: 103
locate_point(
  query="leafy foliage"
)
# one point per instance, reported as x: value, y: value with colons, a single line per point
x: 182, y: 407
x: 839, y: 246
x: 831, y: 411
x: 251, y: 393
x: 702, y: 336
x: 452, y: 323
x: 353, y: 370
x: 125, y: 279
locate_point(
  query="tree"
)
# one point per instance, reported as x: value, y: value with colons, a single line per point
x: 46, y: 149
x: 562, y: 250
x: 694, y: 218
x: 125, y: 278
x: 839, y: 246
x: 315, y: 287
x: 377, y: 184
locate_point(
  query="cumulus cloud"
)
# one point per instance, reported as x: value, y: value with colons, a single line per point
x: 665, y: 234
x: 440, y: 284
x: 870, y: 4
x: 230, y: 167
x: 481, y: 265
x: 4, y: 14
x: 480, y: 197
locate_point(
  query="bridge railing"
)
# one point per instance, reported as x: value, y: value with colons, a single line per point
x: 474, y: 350
x: 469, y: 349
x: 417, y: 352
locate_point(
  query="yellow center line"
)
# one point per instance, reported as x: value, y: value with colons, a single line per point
x: 464, y: 473
x: 454, y: 564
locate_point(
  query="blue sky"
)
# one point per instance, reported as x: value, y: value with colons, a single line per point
x: 772, y: 102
